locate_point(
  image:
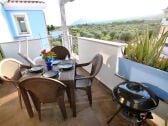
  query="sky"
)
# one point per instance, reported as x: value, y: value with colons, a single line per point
x: 102, y: 10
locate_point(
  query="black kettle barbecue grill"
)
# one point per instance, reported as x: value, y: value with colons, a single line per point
x: 135, y: 101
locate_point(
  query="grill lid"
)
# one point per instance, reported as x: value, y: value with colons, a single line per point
x: 135, y: 96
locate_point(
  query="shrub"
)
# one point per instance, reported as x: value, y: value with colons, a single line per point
x: 147, y: 50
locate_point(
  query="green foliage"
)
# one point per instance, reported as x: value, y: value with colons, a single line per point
x: 112, y: 34
x: 162, y: 64
x: 86, y: 34
x: 115, y: 31
x: 126, y: 36
x: 50, y: 27
x: 1, y: 54
x: 147, y: 50
x: 55, y: 41
x: 75, y: 44
x: 121, y: 31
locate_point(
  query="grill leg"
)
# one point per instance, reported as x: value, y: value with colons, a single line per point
x: 112, y: 117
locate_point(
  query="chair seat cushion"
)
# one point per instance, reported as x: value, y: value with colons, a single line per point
x: 82, y: 83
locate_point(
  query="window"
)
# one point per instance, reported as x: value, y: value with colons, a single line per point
x: 21, y: 24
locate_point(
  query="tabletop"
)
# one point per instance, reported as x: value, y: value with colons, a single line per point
x: 64, y: 75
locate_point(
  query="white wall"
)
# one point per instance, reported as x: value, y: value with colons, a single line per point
x: 11, y: 49
x: 88, y: 48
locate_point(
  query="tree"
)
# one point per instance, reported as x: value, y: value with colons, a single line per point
x: 112, y: 34
x: 97, y: 34
x: 50, y: 27
x: 126, y: 36
x: 86, y: 34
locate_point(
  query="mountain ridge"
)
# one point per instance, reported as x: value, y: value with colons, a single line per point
x: 90, y: 21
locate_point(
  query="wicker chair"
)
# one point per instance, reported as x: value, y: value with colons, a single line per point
x: 61, y: 52
x: 10, y: 72
x: 42, y: 90
x: 85, y: 82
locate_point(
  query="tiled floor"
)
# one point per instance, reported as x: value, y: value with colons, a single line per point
x: 97, y: 115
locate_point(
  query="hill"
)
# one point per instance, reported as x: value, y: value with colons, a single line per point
x: 122, y: 31
x: 116, y: 31
x: 91, y: 21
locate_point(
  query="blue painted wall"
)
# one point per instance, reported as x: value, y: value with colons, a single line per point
x: 4, y: 16
x: 36, y: 23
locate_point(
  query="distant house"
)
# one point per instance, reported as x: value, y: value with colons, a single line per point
x: 56, y: 33
x: 22, y: 20
x: 164, y: 22
x: 164, y: 28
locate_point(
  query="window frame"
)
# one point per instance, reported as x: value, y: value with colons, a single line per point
x: 17, y: 29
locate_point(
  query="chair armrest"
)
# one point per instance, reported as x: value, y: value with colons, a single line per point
x: 5, y: 78
x: 59, y: 82
x: 83, y: 77
x: 26, y: 66
x: 82, y: 64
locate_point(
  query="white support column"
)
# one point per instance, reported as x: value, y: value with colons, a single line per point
x: 65, y: 33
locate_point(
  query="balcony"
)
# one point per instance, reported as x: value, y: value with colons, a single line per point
x: 103, y: 105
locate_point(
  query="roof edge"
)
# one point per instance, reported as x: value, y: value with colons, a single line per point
x: 25, y: 1
x: 24, y: 6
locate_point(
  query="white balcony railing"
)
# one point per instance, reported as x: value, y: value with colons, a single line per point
x: 86, y: 48
x: 31, y: 48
